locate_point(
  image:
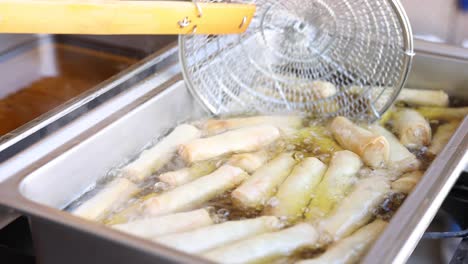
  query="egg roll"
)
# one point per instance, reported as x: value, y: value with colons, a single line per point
x: 295, y: 193
x: 245, y: 139
x: 206, y: 238
x: 351, y: 249
x: 420, y: 97
x: 337, y: 181
x: 407, y: 182
x: 442, y: 137
x: 266, y: 247
x: 400, y: 158
x: 156, y: 157
x: 195, y: 193
x: 412, y: 128
x: 323, y: 89
x: 168, y: 224
x: 443, y: 113
x: 255, y: 192
x: 357, y: 208
x: 374, y: 150
x: 114, y: 194
x: 185, y: 175
x: 216, y: 126
x: 250, y: 162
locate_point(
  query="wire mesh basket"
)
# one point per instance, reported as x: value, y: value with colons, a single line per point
x: 323, y: 57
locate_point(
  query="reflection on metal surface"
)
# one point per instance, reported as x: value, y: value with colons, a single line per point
x: 438, y: 20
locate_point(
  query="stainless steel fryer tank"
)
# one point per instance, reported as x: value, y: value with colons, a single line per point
x: 148, y: 109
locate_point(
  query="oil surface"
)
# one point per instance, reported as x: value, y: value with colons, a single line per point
x: 77, y: 70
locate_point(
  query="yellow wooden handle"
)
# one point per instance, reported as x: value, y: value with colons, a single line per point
x: 122, y: 17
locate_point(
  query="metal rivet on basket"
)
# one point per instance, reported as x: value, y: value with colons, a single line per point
x: 184, y: 22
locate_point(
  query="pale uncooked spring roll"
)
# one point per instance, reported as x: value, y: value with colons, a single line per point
x: 245, y: 139
x: 400, y: 158
x: 443, y: 113
x: 110, y: 197
x: 249, y: 162
x: 351, y: 249
x: 156, y: 157
x: 442, y: 137
x: 374, y: 150
x: 314, y: 91
x: 414, y: 97
x: 407, y: 182
x: 419, y: 97
x: 185, y: 175
x: 132, y: 211
x: 322, y: 89
x: 168, y: 224
x: 209, y: 237
x: 357, y: 208
x: 215, y: 126
x: 267, y: 246
x: 338, y: 179
x: 255, y: 191
x: 295, y: 193
x: 195, y: 193
x: 412, y: 128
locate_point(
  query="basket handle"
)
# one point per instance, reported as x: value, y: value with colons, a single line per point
x: 109, y: 17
